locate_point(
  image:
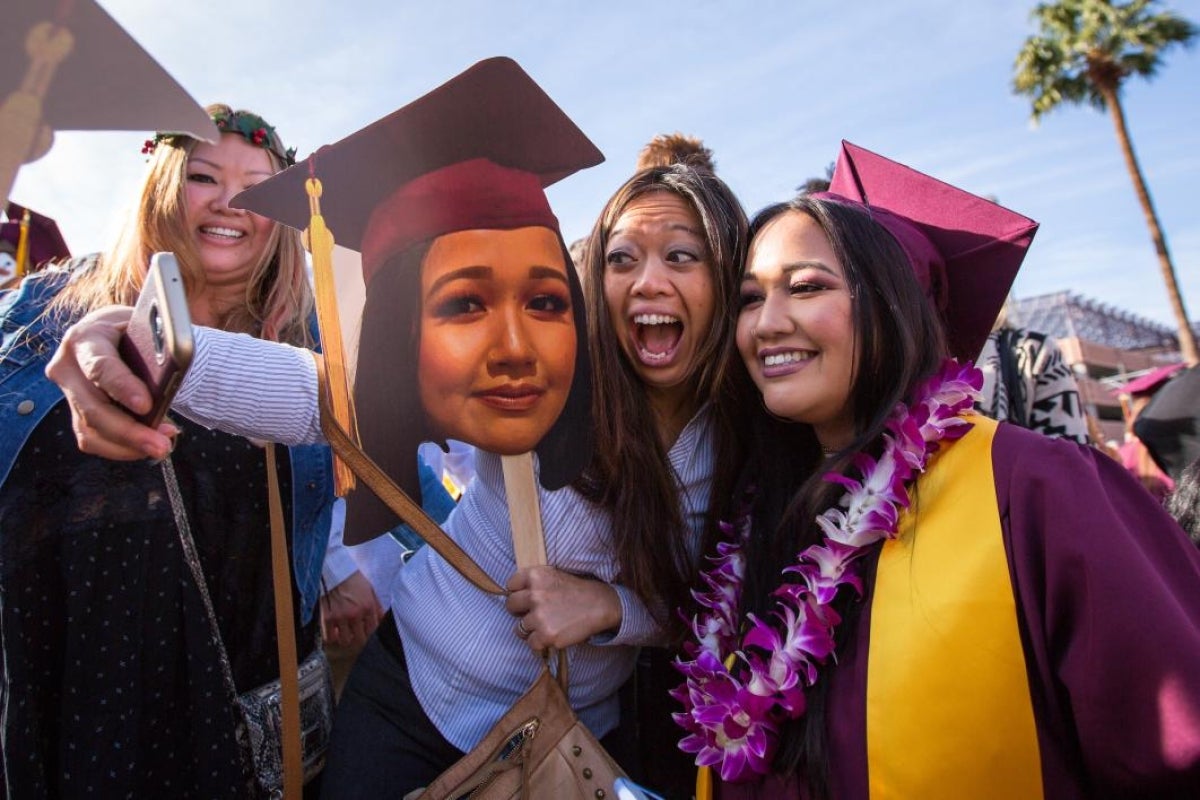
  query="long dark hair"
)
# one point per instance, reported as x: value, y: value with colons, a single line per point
x: 899, y: 342
x: 630, y: 474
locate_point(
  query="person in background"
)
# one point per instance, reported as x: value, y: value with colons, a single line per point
x: 1134, y: 455
x: 1026, y: 381
x: 913, y: 599
x: 28, y: 241
x: 114, y: 683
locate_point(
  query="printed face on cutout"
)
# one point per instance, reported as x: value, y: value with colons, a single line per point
x: 795, y: 330
x: 658, y: 286
x: 497, y: 343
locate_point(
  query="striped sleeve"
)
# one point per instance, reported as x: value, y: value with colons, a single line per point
x: 251, y: 387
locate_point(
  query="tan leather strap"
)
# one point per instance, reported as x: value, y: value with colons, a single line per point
x: 285, y: 635
x: 395, y: 498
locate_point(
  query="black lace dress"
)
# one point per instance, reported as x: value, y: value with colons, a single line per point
x: 112, y: 685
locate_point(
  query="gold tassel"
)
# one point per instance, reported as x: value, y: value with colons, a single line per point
x: 23, y: 246
x: 319, y: 241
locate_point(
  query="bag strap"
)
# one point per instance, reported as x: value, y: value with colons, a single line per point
x: 394, y: 497
x: 192, y: 559
x: 285, y: 637
x: 289, y: 681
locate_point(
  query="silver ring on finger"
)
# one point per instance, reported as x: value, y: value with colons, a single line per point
x: 522, y: 631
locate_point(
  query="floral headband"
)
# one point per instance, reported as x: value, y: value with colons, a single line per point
x: 251, y: 127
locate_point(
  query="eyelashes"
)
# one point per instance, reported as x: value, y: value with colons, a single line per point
x: 469, y: 305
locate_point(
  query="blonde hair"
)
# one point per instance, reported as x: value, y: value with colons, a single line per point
x: 278, y: 297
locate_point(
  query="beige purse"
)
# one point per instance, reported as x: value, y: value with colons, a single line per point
x: 538, y: 749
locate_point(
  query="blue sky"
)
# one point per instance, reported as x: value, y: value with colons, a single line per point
x: 772, y: 91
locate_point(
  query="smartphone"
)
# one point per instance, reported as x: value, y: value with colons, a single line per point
x: 157, y: 344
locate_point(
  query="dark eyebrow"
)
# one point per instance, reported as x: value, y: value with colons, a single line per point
x: 796, y: 266
x: 676, y: 226
x: 547, y: 273
x: 217, y: 166
x: 788, y: 269
x: 462, y: 273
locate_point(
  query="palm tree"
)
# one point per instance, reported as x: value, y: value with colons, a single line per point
x: 1085, y: 51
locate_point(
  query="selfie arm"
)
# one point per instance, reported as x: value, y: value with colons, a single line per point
x: 251, y: 387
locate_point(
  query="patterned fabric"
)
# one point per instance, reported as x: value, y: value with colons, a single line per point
x: 1027, y: 382
x: 109, y: 669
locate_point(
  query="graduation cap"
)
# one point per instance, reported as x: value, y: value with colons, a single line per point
x: 33, y: 238
x: 475, y: 153
x: 966, y: 250
x: 1169, y: 425
x: 67, y: 65
x: 1150, y: 381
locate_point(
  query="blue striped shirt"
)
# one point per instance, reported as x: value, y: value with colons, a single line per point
x: 466, y: 663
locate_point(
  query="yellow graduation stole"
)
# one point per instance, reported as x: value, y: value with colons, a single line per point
x: 948, y: 707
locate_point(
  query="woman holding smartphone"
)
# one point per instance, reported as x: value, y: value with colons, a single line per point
x: 111, y: 669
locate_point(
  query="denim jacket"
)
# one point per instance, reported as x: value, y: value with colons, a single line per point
x: 27, y: 342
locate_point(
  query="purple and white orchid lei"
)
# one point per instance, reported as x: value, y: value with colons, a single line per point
x: 739, y: 693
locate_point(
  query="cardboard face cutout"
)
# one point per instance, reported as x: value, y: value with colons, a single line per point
x: 472, y: 326
x: 67, y: 65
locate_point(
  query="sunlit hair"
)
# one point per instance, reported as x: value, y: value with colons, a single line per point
x: 666, y: 149
x: 278, y: 297
x: 900, y: 341
x: 630, y: 473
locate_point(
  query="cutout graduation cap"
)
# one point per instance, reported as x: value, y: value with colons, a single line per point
x: 67, y: 65
x: 966, y: 250
x: 474, y: 154
x: 27, y: 240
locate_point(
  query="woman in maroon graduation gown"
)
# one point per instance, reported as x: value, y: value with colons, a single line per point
x: 916, y: 601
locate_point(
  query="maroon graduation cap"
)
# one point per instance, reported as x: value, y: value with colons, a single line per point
x: 965, y: 249
x: 475, y: 153
x: 1152, y: 380
x: 44, y: 241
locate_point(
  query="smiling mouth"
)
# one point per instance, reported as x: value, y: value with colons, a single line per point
x: 511, y: 398
x: 657, y: 337
x: 224, y: 233
x: 782, y: 363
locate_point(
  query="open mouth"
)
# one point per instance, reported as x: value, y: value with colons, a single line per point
x: 657, y: 336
